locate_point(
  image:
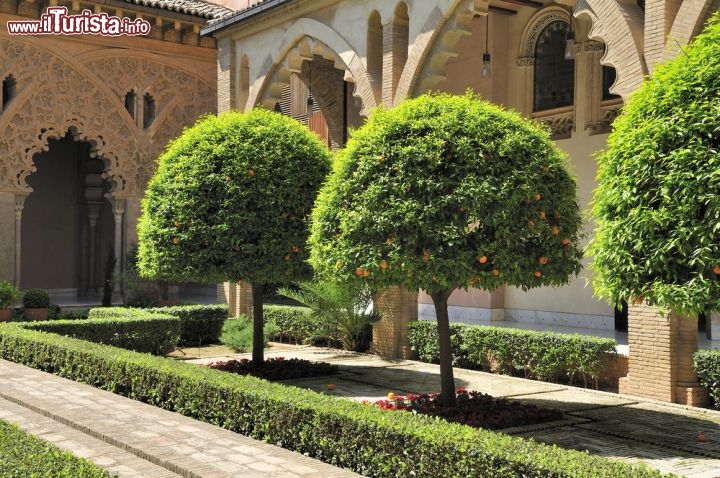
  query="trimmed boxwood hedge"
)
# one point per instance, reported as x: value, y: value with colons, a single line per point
x: 132, y: 329
x: 294, y: 323
x: 366, y: 439
x: 23, y: 455
x: 201, y: 324
x: 707, y: 368
x: 538, y: 355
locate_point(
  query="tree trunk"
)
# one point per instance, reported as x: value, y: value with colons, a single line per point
x: 447, y: 379
x: 258, y: 351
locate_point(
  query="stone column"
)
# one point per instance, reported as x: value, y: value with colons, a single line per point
x: 118, y: 211
x: 226, y: 295
x: 243, y: 299
x: 93, y: 214
x: 19, y: 206
x: 660, y: 362
x: 526, y: 70
x: 712, y: 327
x: 398, y: 307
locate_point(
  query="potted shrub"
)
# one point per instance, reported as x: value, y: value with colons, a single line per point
x: 36, y: 303
x: 8, y: 295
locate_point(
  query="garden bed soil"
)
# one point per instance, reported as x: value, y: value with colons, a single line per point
x: 275, y: 369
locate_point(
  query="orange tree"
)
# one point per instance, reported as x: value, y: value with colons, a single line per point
x: 657, y: 203
x: 230, y: 201
x: 446, y: 192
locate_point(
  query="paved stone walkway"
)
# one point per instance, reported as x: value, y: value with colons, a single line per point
x: 626, y: 428
x: 137, y: 440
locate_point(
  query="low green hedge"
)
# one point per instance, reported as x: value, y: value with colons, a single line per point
x: 23, y: 455
x: 538, y: 355
x: 135, y: 329
x: 366, y: 439
x: 201, y: 324
x: 707, y: 368
x: 294, y: 323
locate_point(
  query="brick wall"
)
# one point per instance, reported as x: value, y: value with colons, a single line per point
x: 390, y: 334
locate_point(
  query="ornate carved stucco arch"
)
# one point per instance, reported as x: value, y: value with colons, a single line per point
x: 297, y: 46
x: 435, y: 44
x: 57, y: 93
x: 536, y: 25
x: 620, y: 27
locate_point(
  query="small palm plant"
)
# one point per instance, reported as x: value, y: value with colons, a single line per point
x: 339, y: 310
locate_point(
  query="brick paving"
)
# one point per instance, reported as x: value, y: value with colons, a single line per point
x: 137, y: 440
x: 620, y: 427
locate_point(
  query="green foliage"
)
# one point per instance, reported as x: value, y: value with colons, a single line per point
x: 238, y: 333
x: 201, y: 324
x: 707, y: 368
x: 366, y: 439
x: 23, y: 455
x: 339, y: 311
x: 426, y: 189
x: 294, y: 324
x: 8, y: 294
x: 537, y: 355
x: 658, y: 200
x: 132, y: 329
x: 36, y: 299
x: 230, y: 200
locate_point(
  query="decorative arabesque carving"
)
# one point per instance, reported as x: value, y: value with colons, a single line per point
x: 533, y: 34
x: 55, y: 96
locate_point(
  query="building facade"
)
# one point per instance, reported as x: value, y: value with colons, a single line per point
x: 83, y: 119
x: 568, y: 64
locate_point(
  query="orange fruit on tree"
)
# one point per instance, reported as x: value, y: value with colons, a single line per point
x: 531, y: 223
x: 543, y: 260
x: 295, y: 249
x: 565, y: 241
x: 359, y: 271
x: 541, y: 214
x: 251, y: 172
x: 538, y: 197
x: 176, y: 241
x: 425, y: 256
x: 287, y: 258
x: 384, y: 265
x: 495, y: 272
x: 555, y: 230
x: 716, y: 270
x: 482, y: 259
x: 538, y: 274
x: 366, y: 274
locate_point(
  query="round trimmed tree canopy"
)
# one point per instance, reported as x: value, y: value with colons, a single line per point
x: 444, y: 192
x: 231, y: 200
x: 658, y: 200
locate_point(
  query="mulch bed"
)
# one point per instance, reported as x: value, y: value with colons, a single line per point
x: 275, y: 369
x: 475, y: 409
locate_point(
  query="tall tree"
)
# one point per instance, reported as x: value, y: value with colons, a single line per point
x: 446, y: 192
x: 230, y: 201
x: 658, y: 201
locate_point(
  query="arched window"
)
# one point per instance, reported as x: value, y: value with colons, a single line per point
x: 554, y: 75
x: 130, y: 103
x: 148, y: 110
x: 9, y: 90
x: 609, y: 76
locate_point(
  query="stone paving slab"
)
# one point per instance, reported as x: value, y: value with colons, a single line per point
x: 174, y: 442
x: 107, y: 456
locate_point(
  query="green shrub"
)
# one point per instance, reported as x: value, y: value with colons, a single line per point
x: 371, y: 441
x: 657, y: 236
x: 8, y: 294
x: 36, y: 299
x: 23, y: 455
x: 201, y: 324
x: 338, y: 312
x: 138, y: 330
x: 294, y: 324
x: 537, y: 355
x: 707, y: 368
x: 238, y: 333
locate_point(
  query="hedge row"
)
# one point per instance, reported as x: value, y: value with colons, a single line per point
x: 366, y: 439
x: 134, y: 329
x: 707, y: 367
x: 538, y: 355
x: 23, y: 455
x: 201, y: 324
x: 294, y: 324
